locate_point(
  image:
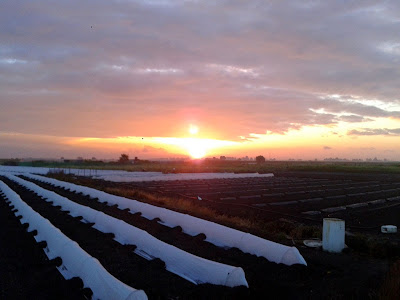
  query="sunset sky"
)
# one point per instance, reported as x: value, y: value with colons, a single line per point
x: 165, y: 78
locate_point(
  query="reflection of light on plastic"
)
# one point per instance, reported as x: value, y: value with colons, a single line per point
x: 193, y: 129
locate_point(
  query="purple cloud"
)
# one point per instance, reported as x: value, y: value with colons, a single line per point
x: 108, y: 68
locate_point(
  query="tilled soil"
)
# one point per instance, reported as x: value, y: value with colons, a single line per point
x: 293, y: 195
x: 327, y: 276
x: 25, y: 271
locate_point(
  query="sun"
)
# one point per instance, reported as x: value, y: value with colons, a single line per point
x: 195, y: 151
x: 193, y: 129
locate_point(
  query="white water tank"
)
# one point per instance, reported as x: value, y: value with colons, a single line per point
x: 333, y: 233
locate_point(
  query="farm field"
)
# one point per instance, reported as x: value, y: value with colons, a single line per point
x: 287, y: 200
x: 363, y: 201
x: 165, y: 149
x: 218, y: 166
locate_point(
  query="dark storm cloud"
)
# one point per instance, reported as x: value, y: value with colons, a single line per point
x: 265, y: 64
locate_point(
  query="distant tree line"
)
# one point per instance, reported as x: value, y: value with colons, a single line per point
x: 11, y: 162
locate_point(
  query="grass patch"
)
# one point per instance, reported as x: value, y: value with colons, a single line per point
x: 370, y: 245
x: 293, y: 230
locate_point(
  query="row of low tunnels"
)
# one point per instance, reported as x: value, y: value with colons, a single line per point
x: 125, y: 264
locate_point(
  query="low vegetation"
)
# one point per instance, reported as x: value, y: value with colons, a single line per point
x: 372, y: 246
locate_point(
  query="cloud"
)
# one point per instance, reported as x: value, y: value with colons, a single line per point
x: 353, y: 118
x: 355, y: 109
x: 327, y: 148
x: 42, y: 146
x: 137, y: 67
x: 373, y: 131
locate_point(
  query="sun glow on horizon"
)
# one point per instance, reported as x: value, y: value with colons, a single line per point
x: 196, y: 147
x: 309, y: 142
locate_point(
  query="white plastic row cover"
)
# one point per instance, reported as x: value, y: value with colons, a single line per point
x: 216, y: 234
x: 125, y: 176
x: 193, y: 268
x: 75, y: 261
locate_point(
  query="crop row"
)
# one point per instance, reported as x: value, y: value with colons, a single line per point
x: 119, y: 260
x: 90, y: 221
x: 215, y: 233
x: 186, y: 265
x: 73, y: 260
x: 26, y: 272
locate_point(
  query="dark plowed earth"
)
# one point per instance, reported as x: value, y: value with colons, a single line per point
x: 25, y: 271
